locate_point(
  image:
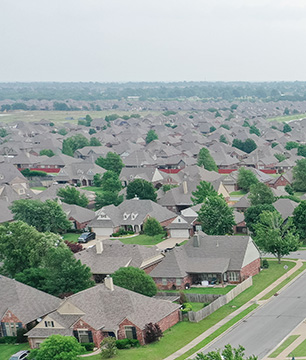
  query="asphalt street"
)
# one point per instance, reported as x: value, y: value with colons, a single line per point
x: 264, y: 329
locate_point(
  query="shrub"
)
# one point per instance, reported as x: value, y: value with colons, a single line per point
x: 152, y: 332
x: 183, y: 298
x: 8, y: 340
x: 108, y: 347
x: 20, y: 336
x: 186, y: 307
x: 88, y: 346
x: 265, y: 264
x: 74, y: 247
x: 127, y: 343
x: 289, y: 189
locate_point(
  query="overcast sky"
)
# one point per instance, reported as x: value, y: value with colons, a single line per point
x: 152, y: 40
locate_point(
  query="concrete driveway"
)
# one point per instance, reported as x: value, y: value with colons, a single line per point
x: 267, y: 326
x: 170, y: 243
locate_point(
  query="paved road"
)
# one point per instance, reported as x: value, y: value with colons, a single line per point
x: 263, y: 330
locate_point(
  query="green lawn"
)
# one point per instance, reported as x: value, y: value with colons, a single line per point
x: 283, y: 346
x: 72, y: 237
x: 205, y: 290
x: 42, y: 188
x: 142, y: 239
x: 284, y: 282
x: 184, y: 332
x: 238, y: 193
x: 7, y: 350
x: 299, y: 193
x: 96, y: 189
x: 300, y: 350
x: 287, y: 118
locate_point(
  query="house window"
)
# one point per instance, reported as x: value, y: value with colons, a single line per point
x: 233, y: 276
x: 164, y: 281
x: 178, y: 282
x: 198, y: 227
x: 11, y: 328
x: 130, y: 332
x: 83, y: 336
x: 49, y: 324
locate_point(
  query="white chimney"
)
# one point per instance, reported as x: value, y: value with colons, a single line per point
x: 196, y: 240
x: 185, y: 187
x: 108, y: 281
x: 99, y: 247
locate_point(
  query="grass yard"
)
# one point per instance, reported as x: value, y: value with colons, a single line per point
x: 184, y: 332
x: 299, y: 351
x: 72, y: 237
x: 42, y: 188
x: 284, y: 282
x: 96, y: 189
x: 142, y: 239
x: 7, y: 350
x: 283, y: 346
x: 205, y: 290
x: 287, y: 118
x: 238, y: 193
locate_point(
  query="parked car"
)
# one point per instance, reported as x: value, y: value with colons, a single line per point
x: 85, y: 237
x: 20, y: 355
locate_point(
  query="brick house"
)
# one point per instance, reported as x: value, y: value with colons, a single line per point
x: 79, y: 216
x: 213, y: 259
x: 105, y: 310
x: 21, y: 306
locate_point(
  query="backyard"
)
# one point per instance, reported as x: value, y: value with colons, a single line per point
x: 7, y: 350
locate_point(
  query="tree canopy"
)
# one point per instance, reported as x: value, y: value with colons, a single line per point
x: 23, y: 247
x: 152, y: 227
x: 246, y: 178
x: 260, y: 193
x: 107, y: 198
x: 44, y: 216
x: 299, y: 219
x: 112, y: 161
x: 135, y: 279
x: 143, y: 189
x: 204, y: 189
x: 247, y: 146
x: 216, y: 217
x: 71, y: 144
x: 206, y: 160
x: 287, y: 128
x: 228, y: 353
x: 70, y: 195
x: 275, y: 236
x: 47, y: 152
x: 58, y: 347
x: 151, y: 135
x: 252, y: 214
x: 299, y: 175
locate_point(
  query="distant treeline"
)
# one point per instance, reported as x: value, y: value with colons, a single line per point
x: 266, y: 91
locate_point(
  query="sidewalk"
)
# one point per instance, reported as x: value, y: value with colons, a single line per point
x: 170, y: 243
x: 255, y: 300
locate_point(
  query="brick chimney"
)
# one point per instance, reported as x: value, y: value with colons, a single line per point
x: 99, y: 247
x: 108, y: 281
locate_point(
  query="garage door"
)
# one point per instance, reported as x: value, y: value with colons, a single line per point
x: 103, y: 231
x: 179, y: 233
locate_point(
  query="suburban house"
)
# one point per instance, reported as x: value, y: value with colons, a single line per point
x: 105, y: 310
x: 213, y: 259
x: 107, y: 256
x: 130, y: 215
x: 22, y: 306
x: 79, y: 216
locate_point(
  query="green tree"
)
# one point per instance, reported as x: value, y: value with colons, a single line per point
x: 63, y: 131
x: 299, y: 219
x: 291, y: 145
x: 280, y: 157
x: 299, y: 176
x: 110, y: 182
x: 70, y: 195
x: 246, y: 123
x: 34, y: 277
x: 108, y: 347
x: 216, y: 217
x: 301, y: 150
x: 260, y: 193
x: 286, y: 111
x: 223, y: 139
x: 151, y: 135
x: 112, y: 161
x: 206, y: 160
x: 246, y: 178
x: 252, y: 214
x: 204, y: 189
x: 135, y: 279
x: 23, y: 247
x: 225, y: 126
x: 58, y: 347
x: 92, y: 131
x: 228, y: 353
x: 212, y: 129
x: 107, y: 198
x: 152, y: 227
x: 287, y: 128
x: 274, y: 235
x: 247, y: 146
x: 3, y: 132
x: 94, y: 142
x: 289, y: 189
x: 44, y: 216
x: 97, y: 180
x: 47, y: 152
x: 71, y: 144
x: 143, y: 189
x: 254, y: 130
